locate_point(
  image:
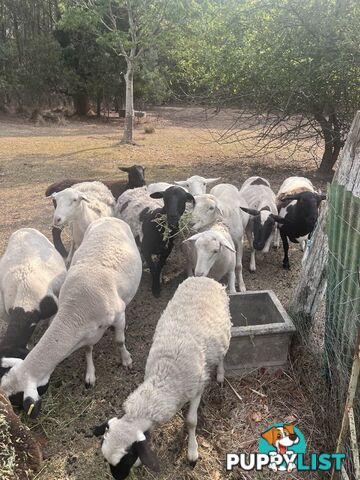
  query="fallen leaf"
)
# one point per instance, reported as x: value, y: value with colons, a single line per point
x: 256, y: 417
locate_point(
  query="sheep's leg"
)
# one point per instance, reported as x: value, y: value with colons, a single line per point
x: 286, y: 263
x: 249, y: 235
x: 191, y: 421
x: 156, y: 286
x: 90, y: 367
x: 32, y: 400
x: 155, y: 274
x: 239, y: 255
x: 231, y: 281
x: 220, y: 374
x: 120, y: 339
x: 276, y: 237
x: 71, y: 254
x: 189, y: 269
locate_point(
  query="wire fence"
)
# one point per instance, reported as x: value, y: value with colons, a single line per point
x: 328, y: 331
x: 342, y: 323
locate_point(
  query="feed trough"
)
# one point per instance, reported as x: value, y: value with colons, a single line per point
x: 261, y: 332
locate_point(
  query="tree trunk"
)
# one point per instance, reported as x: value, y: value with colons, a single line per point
x: 309, y: 291
x: 98, y: 103
x: 332, y: 137
x: 129, y: 105
x: 81, y: 103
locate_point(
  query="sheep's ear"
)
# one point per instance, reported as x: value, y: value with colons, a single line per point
x: 212, y: 180
x: 157, y: 195
x: 181, y: 183
x: 250, y: 211
x: 53, y: 195
x: 32, y: 407
x: 100, y: 430
x: 9, y: 362
x: 321, y: 197
x: 291, y: 197
x: 84, y: 197
x: 190, y: 198
x: 124, y: 169
x: 146, y: 455
x: 277, y: 218
x: 219, y: 210
x: 193, y: 238
x: 225, y: 243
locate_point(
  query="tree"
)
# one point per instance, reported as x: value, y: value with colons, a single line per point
x: 30, y: 58
x: 128, y: 28
x: 292, y: 67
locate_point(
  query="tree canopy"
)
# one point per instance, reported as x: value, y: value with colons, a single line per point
x: 292, y: 67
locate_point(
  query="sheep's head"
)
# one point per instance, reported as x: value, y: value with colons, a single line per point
x: 206, y: 211
x: 208, y: 246
x: 135, y: 174
x: 67, y: 203
x: 123, y: 444
x: 175, y: 199
x: 196, y: 185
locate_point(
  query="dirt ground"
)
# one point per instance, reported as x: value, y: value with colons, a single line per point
x: 31, y: 157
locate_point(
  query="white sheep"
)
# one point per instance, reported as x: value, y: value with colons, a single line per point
x: 102, y: 280
x: 31, y: 275
x: 196, y: 184
x: 80, y: 205
x: 212, y: 253
x: 191, y: 339
x: 158, y: 187
x: 223, y: 203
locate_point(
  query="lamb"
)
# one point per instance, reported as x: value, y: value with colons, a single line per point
x: 31, y: 275
x: 20, y: 455
x: 223, y: 203
x: 263, y: 215
x: 79, y: 206
x: 212, y: 253
x: 298, y: 204
x: 143, y: 213
x: 196, y: 185
x: 136, y: 179
x: 103, y: 279
x: 191, y: 339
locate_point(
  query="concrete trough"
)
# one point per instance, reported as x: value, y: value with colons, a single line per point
x: 261, y: 332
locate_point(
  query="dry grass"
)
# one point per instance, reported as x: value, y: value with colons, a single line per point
x: 32, y: 157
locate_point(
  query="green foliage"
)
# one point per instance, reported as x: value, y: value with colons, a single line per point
x: 37, y: 75
x: 183, y: 229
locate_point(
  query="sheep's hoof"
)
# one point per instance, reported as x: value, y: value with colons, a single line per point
x: 286, y: 266
x: 192, y: 463
x: 252, y: 270
x: 127, y: 364
x: 89, y: 382
x: 156, y: 292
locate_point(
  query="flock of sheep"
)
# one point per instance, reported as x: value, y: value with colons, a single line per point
x: 114, y: 227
